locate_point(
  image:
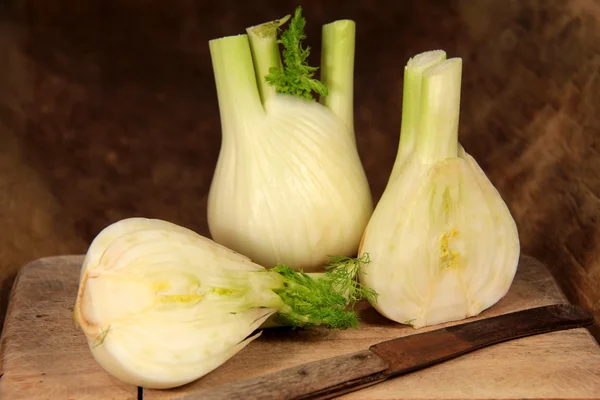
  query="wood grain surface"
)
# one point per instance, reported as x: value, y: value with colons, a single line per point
x: 45, y: 357
x: 108, y: 110
x: 314, y: 380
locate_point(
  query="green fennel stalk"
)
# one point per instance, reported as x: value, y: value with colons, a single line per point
x: 235, y: 58
x: 263, y: 42
x: 439, y: 111
x: 337, y: 63
x: 411, y: 103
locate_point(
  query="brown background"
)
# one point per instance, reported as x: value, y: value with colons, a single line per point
x: 108, y: 110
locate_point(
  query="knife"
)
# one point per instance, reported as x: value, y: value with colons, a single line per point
x: 332, y: 377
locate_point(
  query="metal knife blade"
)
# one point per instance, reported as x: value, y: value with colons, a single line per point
x: 328, y: 378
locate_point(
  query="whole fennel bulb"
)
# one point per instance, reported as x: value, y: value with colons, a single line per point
x: 442, y: 242
x: 289, y: 186
x: 162, y: 306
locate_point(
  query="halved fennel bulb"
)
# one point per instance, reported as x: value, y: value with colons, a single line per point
x: 442, y: 242
x: 162, y: 306
x: 289, y: 186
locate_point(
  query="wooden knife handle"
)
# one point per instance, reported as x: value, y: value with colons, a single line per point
x: 306, y: 379
x: 414, y: 352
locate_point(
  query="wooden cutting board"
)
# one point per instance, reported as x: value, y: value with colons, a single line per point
x: 43, y: 355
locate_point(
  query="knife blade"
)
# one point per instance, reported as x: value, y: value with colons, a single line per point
x: 332, y: 377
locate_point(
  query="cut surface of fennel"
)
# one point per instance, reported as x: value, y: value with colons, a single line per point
x: 289, y: 186
x: 162, y: 306
x: 442, y: 242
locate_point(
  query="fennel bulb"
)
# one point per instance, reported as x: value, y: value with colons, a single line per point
x: 289, y: 186
x: 162, y: 306
x: 442, y: 242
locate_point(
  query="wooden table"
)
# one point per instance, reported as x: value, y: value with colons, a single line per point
x: 44, y: 356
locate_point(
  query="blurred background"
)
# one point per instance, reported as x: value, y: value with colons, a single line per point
x: 108, y: 110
